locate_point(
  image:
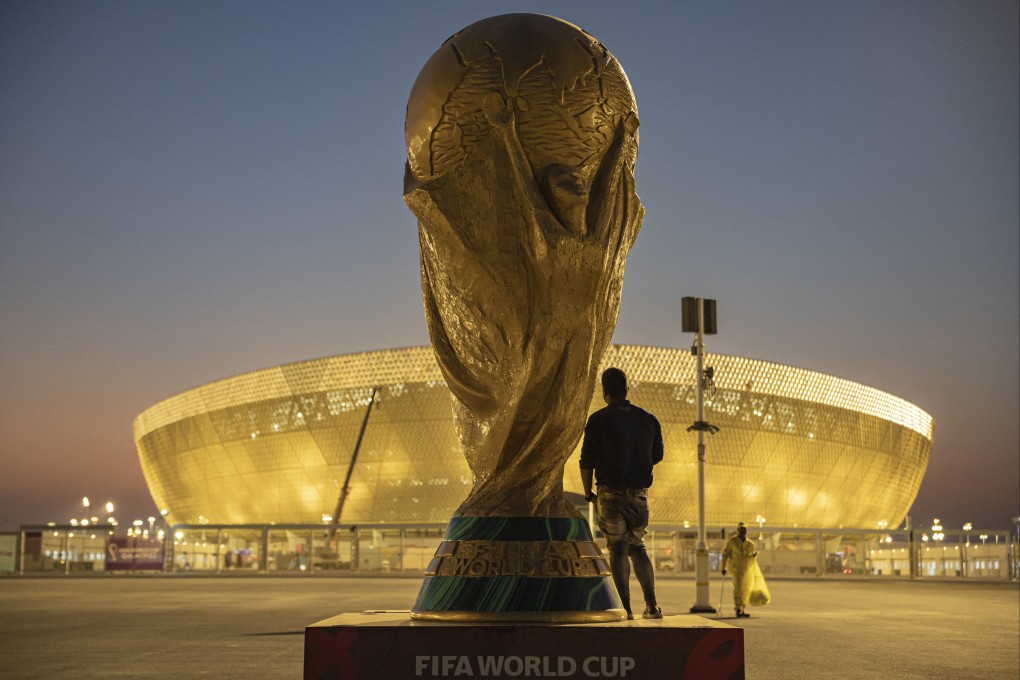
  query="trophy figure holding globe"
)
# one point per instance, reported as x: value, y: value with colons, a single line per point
x: 522, y: 136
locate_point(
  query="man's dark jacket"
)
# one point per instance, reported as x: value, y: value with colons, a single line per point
x: 621, y: 443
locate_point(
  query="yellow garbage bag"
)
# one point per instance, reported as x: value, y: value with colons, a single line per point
x: 759, y: 594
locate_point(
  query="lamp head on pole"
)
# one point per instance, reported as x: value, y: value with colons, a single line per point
x: 689, y: 312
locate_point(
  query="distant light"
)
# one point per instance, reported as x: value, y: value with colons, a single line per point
x: 109, y: 507
x: 85, y: 501
x: 968, y: 526
x: 137, y: 522
x: 179, y: 535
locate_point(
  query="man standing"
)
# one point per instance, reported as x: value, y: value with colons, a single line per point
x: 621, y: 444
x: 738, y: 553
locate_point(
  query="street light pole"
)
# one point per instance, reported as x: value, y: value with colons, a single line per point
x: 695, y: 307
x: 965, y: 550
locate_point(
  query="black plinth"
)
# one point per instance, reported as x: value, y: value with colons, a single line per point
x: 390, y: 646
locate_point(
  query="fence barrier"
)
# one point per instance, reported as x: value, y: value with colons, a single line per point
x: 407, y: 549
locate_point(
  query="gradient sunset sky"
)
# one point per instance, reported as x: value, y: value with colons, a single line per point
x: 191, y: 190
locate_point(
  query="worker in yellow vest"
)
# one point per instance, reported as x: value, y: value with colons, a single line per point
x: 739, y: 555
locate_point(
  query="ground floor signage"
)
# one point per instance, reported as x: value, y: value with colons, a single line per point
x: 8, y: 553
x: 129, y: 553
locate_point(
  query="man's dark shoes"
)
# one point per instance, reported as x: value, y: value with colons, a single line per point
x: 652, y: 612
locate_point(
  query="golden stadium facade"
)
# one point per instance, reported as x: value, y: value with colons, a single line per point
x: 274, y: 446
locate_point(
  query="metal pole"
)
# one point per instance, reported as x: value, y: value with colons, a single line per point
x: 335, y: 521
x: 264, y: 550
x: 701, y: 604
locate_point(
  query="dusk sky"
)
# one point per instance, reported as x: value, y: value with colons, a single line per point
x: 192, y: 190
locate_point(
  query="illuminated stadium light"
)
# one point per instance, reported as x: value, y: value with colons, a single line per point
x: 862, y: 466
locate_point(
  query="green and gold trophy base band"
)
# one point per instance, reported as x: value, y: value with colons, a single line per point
x: 518, y: 569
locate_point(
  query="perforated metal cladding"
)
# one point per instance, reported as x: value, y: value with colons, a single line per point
x: 797, y: 447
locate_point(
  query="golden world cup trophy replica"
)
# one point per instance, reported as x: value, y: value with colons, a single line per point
x: 521, y: 138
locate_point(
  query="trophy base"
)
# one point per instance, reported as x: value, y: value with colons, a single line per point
x: 518, y: 569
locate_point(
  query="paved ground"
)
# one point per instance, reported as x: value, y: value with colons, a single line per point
x: 251, y: 627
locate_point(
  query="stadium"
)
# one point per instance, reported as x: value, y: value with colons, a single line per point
x: 276, y: 446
